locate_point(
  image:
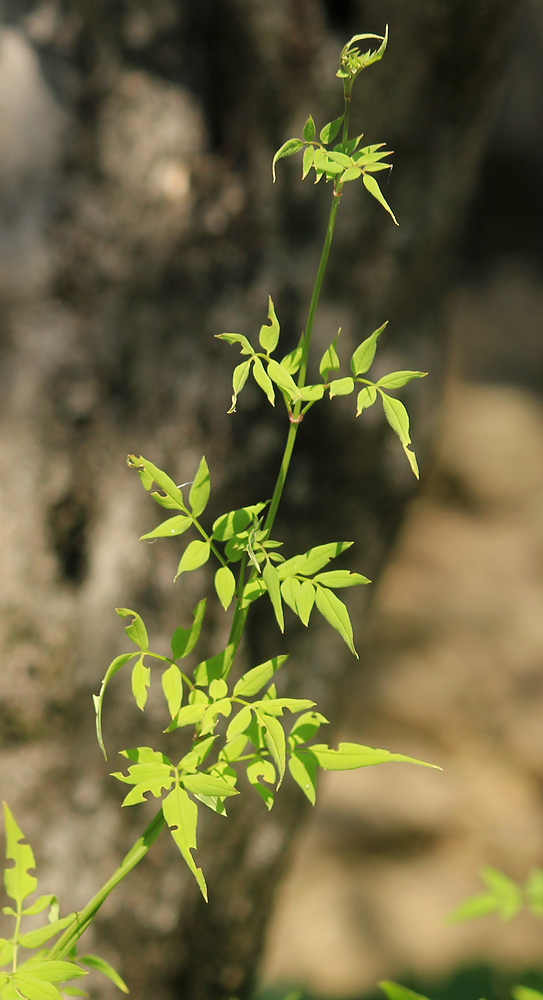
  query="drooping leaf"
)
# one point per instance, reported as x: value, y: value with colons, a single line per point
x: 141, y: 679
x: 31, y: 988
x: 215, y: 667
x: 237, y: 338
x: 274, y: 738
x: 185, y: 639
x: 254, y: 680
x: 98, y: 700
x: 303, y: 769
x: 19, y: 884
x: 396, y: 379
x: 307, y: 162
x: 136, y: 631
x: 195, y: 555
x: 161, y: 479
x: 366, y: 397
x: 305, y: 599
x: 336, y: 615
x: 362, y: 358
x: 330, y: 361
x: 181, y: 815
x: 372, y: 186
x: 200, y: 489
x: 269, y: 333
x: 263, y: 381
x: 287, y: 149
x: 396, y: 992
x: 173, y: 526
x: 172, y: 685
x: 329, y: 132
x: 261, y: 768
x: 309, y: 129
x: 273, y: 586
x: 398, y: 418
x: 353, y: 755
x: 225, y: 585
x: 289, y: 590
x: 305, y: 727
x: 239, y: 378
x: 313, y: 560
x: 341, y: 578
x: 100, y: 964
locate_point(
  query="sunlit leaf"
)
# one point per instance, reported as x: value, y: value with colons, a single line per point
x: 287, y: 149
x: 341, y: 578
x: 273, y: 586
x: 366, y: 397
x: 329, y: 132
x: 173, y: 526
x: 181, y: 815
x: 100, y: 964
x: 309, y: 129
x: 254, y: 680
x: 225, y: 585
x: 313, y: 560
x: 185, y: 639
x: 141, y: 679
x: 362, y: 358
x: 372, y: 186
x: 136, y: 631
x: 336, y: 615
x: 195, y: 555
x: 239, y: 378
x: 269, y: 333
x: 398, y: 418
x: 341, y: 387
x: 396, y: 992
x: 263, y: 381
x: 274, y: 738
x: 303, y: 769
x: 172, y: 685
x: 214, y: 667
x: 307, y: 163
x: 261, y: 768
x: 19, y: 884
x: 353, y: 755
x: 396, y: 379
x: 330, y: 360
x: 200, y: 489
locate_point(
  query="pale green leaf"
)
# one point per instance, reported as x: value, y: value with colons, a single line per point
x: 209, y: 721
x: 351, y: 174
x: 218, y: 689
x: 187, y: 716
x: 396, y: 379
x: 32, y: 988
x: 173, y: 526
x: 228, y: 525
x: 195, y: 555
x: 100, y: 964
x: 200, y: 489
x: 289, y: 590
x: 172, y: 685
x: 291, y: 362
x: 261, y: 768
x: 313, y: 560
x: 362, y: 358
x: 525, y: 993
x: 480, y: 905
x: 534, y: 892
x: 185, y: 639
x: 341, y: 387
x: 329, y: 132
x: 33, y: 939
x: 307, y: 163
x: 263, y: 381
x: 282, y: 378
x: 98, y: 700
x: 330, y: 360
x: 372, y: 186
x: 396, y: 992
x: 274, y: 738
x: 225, y: 585
x: 19, y: 884
x: 239, y: 724
x: 274, y: 706
x: 353, y: 755
x: 273, y: 586
x: 310, y: 393
x: 336, y: 614
x: 287, y: 149
x: 341, y: 578
x: 237, y: 338
x: 207, y: 784
x: 309, y: 129
x: 366, y: 397
x: 269, y: 333
x: 215, y: 667
x: 305, y: 727
x: 39, y: 906
x: 254, y: 680
x: 305, y: 599
x: 136, y: 631
x: 303, y: 769
x: 161, y: 479
x: 398, y: 418
x: 252, y: 591
x: 239, y: 378
x: 181, y: 815
x: 233, y: 750
x: 141, y: 679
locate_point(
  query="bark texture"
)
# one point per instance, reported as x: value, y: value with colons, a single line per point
x: 137, y: 220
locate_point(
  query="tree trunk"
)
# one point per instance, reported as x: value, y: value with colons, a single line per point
x: 137, y: 219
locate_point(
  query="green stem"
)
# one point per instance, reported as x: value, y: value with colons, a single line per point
x: 16, y: 935
x: 72, y: 933
x: 347, y: 91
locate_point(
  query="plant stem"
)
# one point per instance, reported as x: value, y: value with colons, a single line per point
x: 72, y: 933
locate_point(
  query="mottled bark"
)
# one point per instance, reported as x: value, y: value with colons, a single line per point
x: 137, y: 220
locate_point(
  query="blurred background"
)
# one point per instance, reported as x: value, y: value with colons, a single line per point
x: 137, y: 219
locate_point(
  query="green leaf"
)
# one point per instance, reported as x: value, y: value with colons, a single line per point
x: 534, y: 892
x: 39, y: 906
x: 172, y: 685
x: 52, y: 970
x: 72, y: 991
x: 185, y: 639
x: 362, y: 358
x: 274, y: 706
x: 233, y: 750
x: 305, y: 599
x: 252, y: 591
x: 287, y: 149
x: 208, y: 784
x: 330, y: 361
x: 239, y: 724
x: 237, y: 338
x: 19, y: 884
x: 239, y: 378
x: 195, y: 555
x: 473, y: 908
x: 526, y: 993
x: 33, y: 939
x: 398, y: 418
x: 200, y: 489
x: 32, y: 988
x: 504, y: 896
x: 228, y: 525
x: 263, y: 381
x: 160, y: 478
x: 396, y: 992
x: 173, y: 526
x: 311, y: 393
x: 181, y: 815
x: 215, y: 667
x: 218, y: 689
x: 100, y: 964
x: 6, y: 951
x: 197, y: 753
x: 341, y: 387
x: 291, y: 362
x: 309, y: 129
x: 303, y: 769
x: 152, y: 774
x: 324, y: 162
x: 225, y: 585
x: 313, y: 560
x: 221, y: 707
x: 289, y: 590
x: 351, y: 174
x: 282, y: 378
x: 305, y: 727
x: 141, y: 679
x: 366, y: 397
x: 341, y: 578
x: 329, y: 132
x: 273, y: 586
x: 336, y: 615
x: 372, y: 186
x: 261, y: 768
x: 187, y: 715
x: 136, y: 631
x: 396, y: 379
x: 254, y: 680
x: 274, y: 738
x: 307, y: 163
x: 269, y: 333
x: 353, y: 755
